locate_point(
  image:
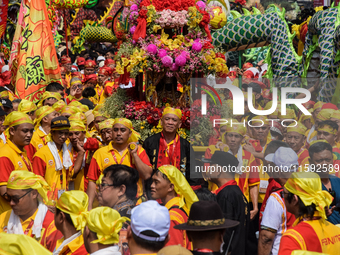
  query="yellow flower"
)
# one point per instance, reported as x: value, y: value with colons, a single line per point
x: 119, y: 68
x: 156, y: 28
x: 140, y: 70
x: 125, y: 61
x: 129, y: 68
x: 151, y: 8
x: 141, y: 127
x: 133, y: 61
x: 149, y: 19
x: 219, y: 61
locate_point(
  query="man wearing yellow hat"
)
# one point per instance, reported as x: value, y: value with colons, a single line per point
x: 75, y: 90
x: 167, y: 147
x: 257, y: 145
x: 98, y: 117
x: 123, y: 149
x: 170, y: 186
x: 105, y: 131
x: 44, y: 116
x: 70, y: 220
x: 76, y: 136
x: 336, y: 118
x: 58, y: 106
x: 102, y: 231
x: 29, y: 216
x: 55, y: 162
x: 67, y: 111
x: 13, y: 156
x: 296, y: 139
x: 49, y: 98
x: 327, y: 130
x: 311, y: 136
x: 28, y: 107
x: 304, y: 198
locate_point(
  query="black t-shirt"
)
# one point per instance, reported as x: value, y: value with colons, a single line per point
x: 235, y: 207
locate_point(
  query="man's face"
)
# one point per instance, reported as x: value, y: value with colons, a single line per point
x: 260, y: 132
x: 337, y: 122
x: 295, y: 140
x: 79, y: 89
x: 59, y: 136
x: 106, y: 135
x: 101, y: 79
x: 63, y: 75
x: 22, y: 135
x: 97, y: 120
x: 48, y: 118
x: 76, y: 136
x: 15, y: 106
x: 20, y: 206
x: 160, y: 187
x: 120, y: 134
x: 291, y: 206
x: 323, y: 135
x: 170, y: 123
x: 88, y: 70
x: 68, y: 67
x: 322, y: 161
x: 315, y: 113
x: 108, y: 195
x: 50, y: 101
x: 233, y: 140
x: 308, y: 124
x: 109, y: 55
x: 8, y: 110
x: 317, y: 122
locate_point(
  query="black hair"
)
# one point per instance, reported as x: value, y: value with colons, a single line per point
x: 204, y: 194
x: 330, y: 123
x: 2, y: 89
x: 154, y: 246
x: 16, y: 101
x: 163, y: 175
x: 87, y: 102
x: 88, y: 92
x: 303, y: 209
x: 274, y: 146
x: 54, y: 87
x: 123, y: 175
x: 318, y: 147
x: 67, y: 216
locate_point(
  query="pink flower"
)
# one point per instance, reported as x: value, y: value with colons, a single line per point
x: 162, y: 53
x: 174, y: 67
x: 152, y: 49
x: 134, y: 7
x: 197, y: 46
x: 201, y: 5
x: 181, y: 60
x: 167, y: 61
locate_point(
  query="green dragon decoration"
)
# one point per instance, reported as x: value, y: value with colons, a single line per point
x: 285, y: 66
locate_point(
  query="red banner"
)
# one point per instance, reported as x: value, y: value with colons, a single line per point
x: 33, y: 61
x: 3, y: 16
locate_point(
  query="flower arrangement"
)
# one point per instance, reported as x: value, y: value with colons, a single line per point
x: 187, y: 49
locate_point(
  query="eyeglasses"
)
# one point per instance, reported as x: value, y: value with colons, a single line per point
x: 102, y: 185
x: 16, y: 200
x: 79, y: 86
x: 283, y: 193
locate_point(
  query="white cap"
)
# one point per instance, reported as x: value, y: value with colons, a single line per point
x: 101, y: 64
x: 5, y: 68
x: 152, y: 216
x: 285, y: 158
x: 100, y: 58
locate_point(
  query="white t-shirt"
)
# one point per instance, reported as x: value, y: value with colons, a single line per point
x: 275, y: 217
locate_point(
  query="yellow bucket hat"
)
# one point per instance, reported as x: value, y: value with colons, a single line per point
x: 26, y: 106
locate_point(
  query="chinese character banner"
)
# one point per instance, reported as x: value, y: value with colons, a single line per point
x: 33, y: 59
x: 3, y: 16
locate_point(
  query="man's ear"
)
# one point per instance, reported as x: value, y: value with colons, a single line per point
x: 167, y: 239
x: 171, y: 187
x: 122, y: 190
x: 11, y: 131
x: 295, y: 200
x: 129, y: 233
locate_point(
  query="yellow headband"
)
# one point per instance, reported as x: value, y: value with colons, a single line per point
x: 170, y: 110
x: 237, y: 128
x: 21, y: 179
x: 135, y: 136
x: 58, y: 106
x: 108, y: 123
x: 307, y: 186
x: 182, y: 187
x: 4, y: 94
x: 290, y: 114
x: 79, y: 116
x: 325, y: 114
x: 77, y: 126
x: 26, y: 106
x: 106, y: 223
x: 299, y: 128
x: 336, y: 114
x: 304, y: 117
x: 16, y: 118
x: 42, y: 112
x: 74, y: 203
x: 15, y: 244
x: 47, y: 95
x: 70, y: 110
x: 75, y: 81
x: 328, y: 129
x: 317, y: 105
x: 82, y: 107
x: 257, y: 119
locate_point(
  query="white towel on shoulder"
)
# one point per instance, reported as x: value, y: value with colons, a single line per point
x: 67, y: 162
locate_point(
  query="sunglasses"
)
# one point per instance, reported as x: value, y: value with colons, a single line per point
x: 15, y: 200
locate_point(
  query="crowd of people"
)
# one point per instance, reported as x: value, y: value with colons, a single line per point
x: 75, y: 181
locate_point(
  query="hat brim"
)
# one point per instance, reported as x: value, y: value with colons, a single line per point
x: 227, y: 224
